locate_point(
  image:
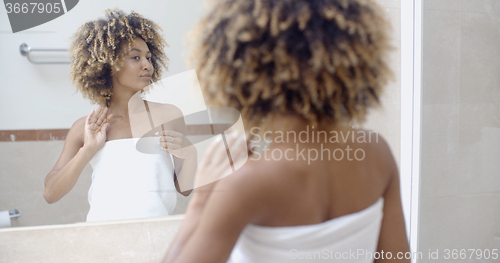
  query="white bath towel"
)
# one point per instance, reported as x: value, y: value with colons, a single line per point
x: 129, y: 184
x: 351, y: 238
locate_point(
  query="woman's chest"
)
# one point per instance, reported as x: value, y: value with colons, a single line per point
x: 119, y: 129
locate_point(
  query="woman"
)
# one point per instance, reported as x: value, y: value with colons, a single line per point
x: 113, y: 60
x: 301, y: 72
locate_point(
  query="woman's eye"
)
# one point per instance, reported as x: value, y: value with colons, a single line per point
x: 135, y: 57
x: 150, y: 58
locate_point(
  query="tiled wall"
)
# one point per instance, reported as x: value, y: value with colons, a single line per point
x: 23, y: 168
x: 460, y: 182
x: 27, y: 156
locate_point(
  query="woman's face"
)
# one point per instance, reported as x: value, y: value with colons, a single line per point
x: 137, y: 69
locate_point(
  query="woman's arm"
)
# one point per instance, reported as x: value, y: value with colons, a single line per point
x: 191, y: 219
x: 211, y: 169
x: 77, y: 152
x: 211, y: 165
x: 210, y: 231
x: 393, y: 231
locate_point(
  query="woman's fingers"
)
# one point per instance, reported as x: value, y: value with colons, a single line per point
x: 110, y: 116
x: 105, y: 123
x: 96, y: 115
x: 169, y: 146
x: 97, y: 118
x: 170, y: 133
x: 171, y: 139
x: 102, y: 116
x: 104, y: 127
x: 89, y: 117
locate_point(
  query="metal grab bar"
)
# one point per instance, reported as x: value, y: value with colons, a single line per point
x: 26, y: 50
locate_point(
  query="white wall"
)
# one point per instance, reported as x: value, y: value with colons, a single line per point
x: 41, y: 96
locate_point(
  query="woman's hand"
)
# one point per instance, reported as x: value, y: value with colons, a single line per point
x: 177, y: 144
x: 215, y: 164
x: 95, y: 128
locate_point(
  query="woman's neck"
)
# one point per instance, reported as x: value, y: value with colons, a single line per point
x: 294, y: 125
x: 119, y: 103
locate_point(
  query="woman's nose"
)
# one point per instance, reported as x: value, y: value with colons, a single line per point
x: 147, y: 65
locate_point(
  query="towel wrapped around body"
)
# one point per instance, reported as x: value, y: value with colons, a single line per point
x: 351, y: 238
x: 128, y: 184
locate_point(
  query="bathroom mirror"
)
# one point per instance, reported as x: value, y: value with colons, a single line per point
x: 39, y: 104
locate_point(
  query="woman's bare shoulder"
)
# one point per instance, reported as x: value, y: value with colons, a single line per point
x: 268, y: 170
x: 163, y: 106
x: 375, y: 142
x: 261, y: 180
x: 77, y: 131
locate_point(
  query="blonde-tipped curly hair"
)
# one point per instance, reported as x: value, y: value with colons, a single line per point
x: 99, y: 46
x: 322, y: 60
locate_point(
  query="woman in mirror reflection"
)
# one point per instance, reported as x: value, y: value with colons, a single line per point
x: 113, y: 60
x: 291, y: 67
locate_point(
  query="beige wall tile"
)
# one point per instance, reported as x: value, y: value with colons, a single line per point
x: 458, y: 222
x: 439, y: 153
x: 484, y: 6
x: 441, y: 57
x: 23, y: 168
x: 454, y: 164
x: 446, y: 5
x: 479, y: 67
x: 473, y: 117
x: 460, y: 187
x: 479, y: 150
x: 440, y: 125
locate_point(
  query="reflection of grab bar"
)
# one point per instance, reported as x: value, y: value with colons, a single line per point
x: 14, y: 213
x: 26, y: 50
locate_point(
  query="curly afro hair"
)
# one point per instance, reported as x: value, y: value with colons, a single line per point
x: 99, y: 46
x: 322, y: 60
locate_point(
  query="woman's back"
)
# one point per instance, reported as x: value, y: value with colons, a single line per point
x: 323, y: 199
x: 325, y: 180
